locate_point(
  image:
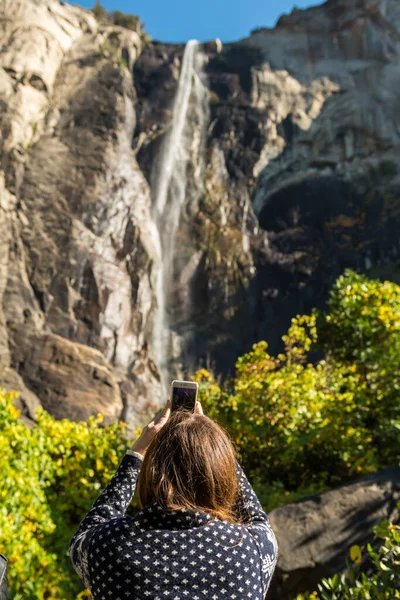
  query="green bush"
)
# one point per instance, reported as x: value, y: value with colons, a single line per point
x: 302, y: 427
x: 127, y: 21
x: 100, y: 12
x: 361, y: 333
x: 116, y: 17
x: 383, y: 580
x: 388, y: 168
x: 121, y: 19
x: 50, y: 476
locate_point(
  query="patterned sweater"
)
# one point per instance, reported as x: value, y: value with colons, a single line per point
x: 172, y: 555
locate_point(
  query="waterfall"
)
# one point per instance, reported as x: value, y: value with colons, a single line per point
x: 183, y: 146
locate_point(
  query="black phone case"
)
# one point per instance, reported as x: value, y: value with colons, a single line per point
x: 187, y: 405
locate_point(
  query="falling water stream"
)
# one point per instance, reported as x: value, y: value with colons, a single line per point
x: 183, y: 146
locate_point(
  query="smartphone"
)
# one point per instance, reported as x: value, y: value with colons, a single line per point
x: 184, y: 395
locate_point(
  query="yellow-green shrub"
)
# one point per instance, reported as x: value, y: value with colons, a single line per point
x: 49, y: 477
x: 301, y: 426
x: 304, y: 426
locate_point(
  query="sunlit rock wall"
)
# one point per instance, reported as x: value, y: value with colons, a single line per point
x: 77, y: 257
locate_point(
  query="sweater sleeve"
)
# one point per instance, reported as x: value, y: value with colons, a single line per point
x: 258, y: 525
x: 111, y: 504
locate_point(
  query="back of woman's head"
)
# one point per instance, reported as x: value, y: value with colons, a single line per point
x: 190, y: 465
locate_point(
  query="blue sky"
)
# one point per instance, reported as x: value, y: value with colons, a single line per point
x: 180, y: 20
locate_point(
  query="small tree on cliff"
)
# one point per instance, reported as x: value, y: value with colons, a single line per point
x: 100, y: 12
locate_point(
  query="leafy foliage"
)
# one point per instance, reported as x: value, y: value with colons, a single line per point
x: 50, y: 476
x: 116, y: 17
x: 388, y: 168
x: 362, y: 332
x: 303, y: 427
x: 127, y: 21
x: 100, y: 12
x: 384, y: 580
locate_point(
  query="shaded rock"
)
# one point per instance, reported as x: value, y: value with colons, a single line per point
x: 126, y: 42
x: 72, y: 380
x: 328, y: 81
x: 305, y: 122
x: 315, y: 534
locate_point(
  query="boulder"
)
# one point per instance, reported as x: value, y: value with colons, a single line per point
x: 315, y: 534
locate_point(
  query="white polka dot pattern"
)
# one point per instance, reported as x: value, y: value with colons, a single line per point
x: 172, y: 555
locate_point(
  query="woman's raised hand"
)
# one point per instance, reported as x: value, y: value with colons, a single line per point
x: 143, y: 441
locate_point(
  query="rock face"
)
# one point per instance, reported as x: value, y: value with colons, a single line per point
x: 301, y: 181
x: 328, y: 185
x: 302, y: 178
x: 77, y: 241
x: 315, y: 535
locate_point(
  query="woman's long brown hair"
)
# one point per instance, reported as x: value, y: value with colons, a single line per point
x: 190, y: 465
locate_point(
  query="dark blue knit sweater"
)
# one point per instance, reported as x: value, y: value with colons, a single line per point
x: 172, y: 555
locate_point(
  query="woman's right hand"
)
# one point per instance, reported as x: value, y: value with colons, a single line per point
x: 148, y: 432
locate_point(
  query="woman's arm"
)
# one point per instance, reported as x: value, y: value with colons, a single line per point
x: 116, y: 497
x: 257, y: 522
x: 248, y: 505
x: 111, y: 504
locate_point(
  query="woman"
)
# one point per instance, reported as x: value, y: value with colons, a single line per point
x: 201, y: 532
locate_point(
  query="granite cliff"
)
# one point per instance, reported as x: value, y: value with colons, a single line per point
x: 77, y: 256
x: 300, y: 180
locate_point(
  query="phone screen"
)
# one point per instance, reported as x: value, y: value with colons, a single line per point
x: 183, y: 399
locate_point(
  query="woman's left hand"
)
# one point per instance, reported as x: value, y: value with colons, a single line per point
x: 143, y: 441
